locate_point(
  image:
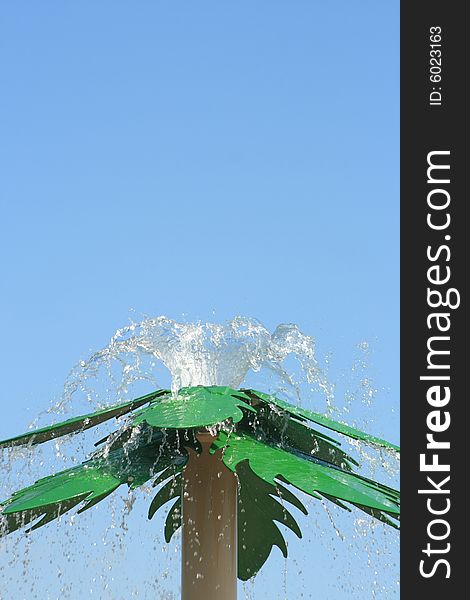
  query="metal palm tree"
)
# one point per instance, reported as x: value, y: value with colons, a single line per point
x: 223, y: 456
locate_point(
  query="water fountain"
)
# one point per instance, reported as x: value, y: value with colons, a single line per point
x: 226, y: 457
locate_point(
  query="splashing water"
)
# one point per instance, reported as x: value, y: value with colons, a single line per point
x: 194, y: 354
x: 160, y: 352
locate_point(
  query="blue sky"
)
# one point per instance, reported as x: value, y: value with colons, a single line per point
x: 201, y: 159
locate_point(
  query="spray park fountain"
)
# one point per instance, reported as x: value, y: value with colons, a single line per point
x: 228, y: 458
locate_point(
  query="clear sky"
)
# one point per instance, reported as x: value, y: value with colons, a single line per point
x: 204, y: 159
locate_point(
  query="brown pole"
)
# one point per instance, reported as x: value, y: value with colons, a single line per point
x: 209, y: 532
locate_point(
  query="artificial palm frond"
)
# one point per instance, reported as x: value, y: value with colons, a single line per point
x: 90, y: 482
x: 78, y: 424
x: 308, y: 415
x: 312, y: 476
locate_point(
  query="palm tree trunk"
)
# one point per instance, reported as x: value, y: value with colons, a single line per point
x: 209, y: 531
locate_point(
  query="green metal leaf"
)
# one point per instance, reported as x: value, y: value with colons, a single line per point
x: 173, y: 520
x: 11, y: 522
x: 85, y: 481
x: 289, y: 433
x: 322, y: 420
x: 196, y: 407
x: 258, y: 511
x: 311, y: 476
x: 171, y: 489
x: 53, y: 496
x: 90, y: 482
x: 78, y: 424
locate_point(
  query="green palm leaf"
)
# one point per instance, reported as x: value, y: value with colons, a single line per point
x: 196, y: 407
x: 173, y: 520
x: 258, y: 511
x: 291, y: 434
x: 311, y: 476
x: 171, y: 489
x: 90, y: 482
x: 326, y: 422
x: 78, y: 424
